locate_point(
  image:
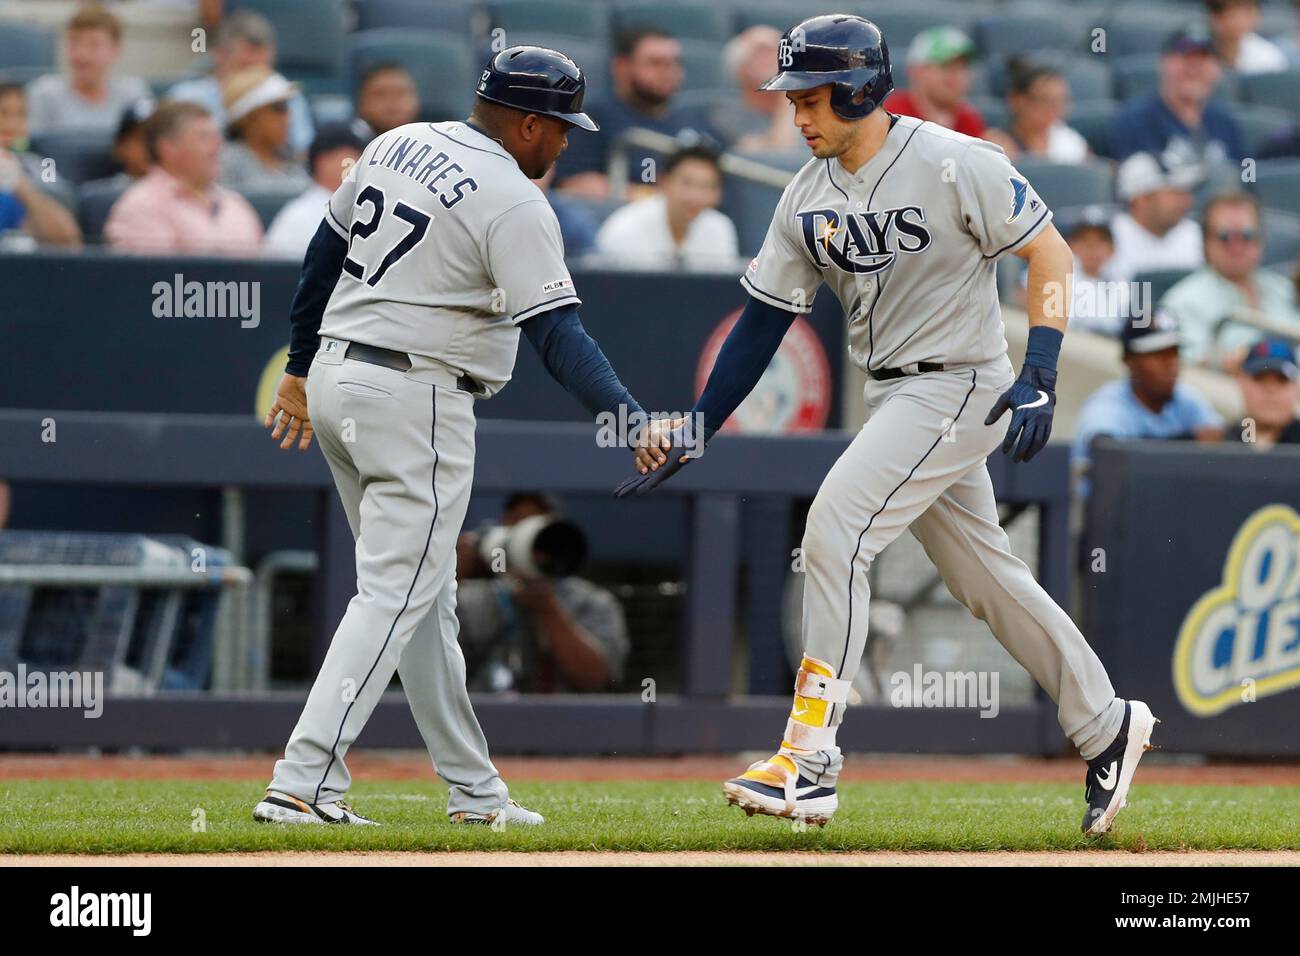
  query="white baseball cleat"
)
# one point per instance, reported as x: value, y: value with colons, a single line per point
x: 512, y: 814
x: 1110, y: 774
x: 775, y: 787
x: 277, y: 807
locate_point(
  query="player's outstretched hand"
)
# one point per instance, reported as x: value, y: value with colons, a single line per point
x: 662, y: 453
x: 288, y: 415
x: 1032, y: 400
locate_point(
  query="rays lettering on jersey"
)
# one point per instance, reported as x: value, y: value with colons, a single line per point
x: 863, y: 242
x: 410, y: 157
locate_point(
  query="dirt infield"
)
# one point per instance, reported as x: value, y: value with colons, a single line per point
x: 701, y: 858
x: 406, y: 765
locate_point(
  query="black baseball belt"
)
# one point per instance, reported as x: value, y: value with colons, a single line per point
x: 885, y: 374
x: 399, y: 362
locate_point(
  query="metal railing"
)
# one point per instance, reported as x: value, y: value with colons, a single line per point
x: 730, y: 163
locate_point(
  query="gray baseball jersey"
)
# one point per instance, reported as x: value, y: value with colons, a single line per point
x: 450, y: 247
x: 908, y: 244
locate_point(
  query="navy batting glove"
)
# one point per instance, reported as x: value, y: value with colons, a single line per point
x: 1031, y: 399
x: 686, y: 440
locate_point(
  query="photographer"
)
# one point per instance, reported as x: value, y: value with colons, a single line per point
x: 522, y: 630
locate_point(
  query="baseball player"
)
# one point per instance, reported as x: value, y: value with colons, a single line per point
x: 905, y: 221
x: 433, y: 255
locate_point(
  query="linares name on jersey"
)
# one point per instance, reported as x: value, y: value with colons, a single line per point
x: 410, y: 157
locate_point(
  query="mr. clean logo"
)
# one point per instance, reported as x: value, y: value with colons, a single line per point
x: 794, y: 394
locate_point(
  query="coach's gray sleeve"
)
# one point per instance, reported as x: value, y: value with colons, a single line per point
x: 525, y: 260
x: 999, y: 205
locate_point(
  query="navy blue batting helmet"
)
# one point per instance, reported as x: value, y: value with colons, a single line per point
x: 537, y: 80
x: 845, y: 51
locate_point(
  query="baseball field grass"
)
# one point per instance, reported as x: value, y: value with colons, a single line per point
x: 182, y: 816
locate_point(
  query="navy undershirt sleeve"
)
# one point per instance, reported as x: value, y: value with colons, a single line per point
x: 320, y: 273
x: 743, y: 359
x: 574, y: 360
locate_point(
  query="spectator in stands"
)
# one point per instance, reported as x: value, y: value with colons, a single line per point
x: 1099, y: 304
x: 24, y: 207
x: 178, y: 208
x: 679, y: 226
x: 578, y: 224
x: 1150, y: 402
x: 387, y: 98
x: 1155, y: 231
x: 130, y: 151
x: 1269, y: 392
x: 1038, y: 97
x: 13, y: 128
x: 938, y: 79
x: 647, y: 73
x: 332, y: 154
x: 1290, y: 45
x: 535, y: 634
x: 91, y: 97
x: 1233, y: 23
x: 759, y: 120
x: 244, y: 39
x: 1179, y: 122
x: 1231, y: 279
x: 257, y: 123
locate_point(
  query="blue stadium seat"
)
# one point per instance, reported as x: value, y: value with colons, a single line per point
x: 782, y: 15
x: 901, y: 26
x: 581, y: 18
x: 994, y: 109
x: 1067, y: 184
x: 1281, y: 239
x: 464, y: 17
x: 1091, y: 119
x: 1135, y: 74
x: 702, y: 63
x: 1089, y: 77
x: 23, y: 45
x: 78, y: 157
x: 441, y: 65
x: 1162, y: 280
x: 94, y: 202
x: 268, y: 200
x: 309, y: 40
x: 750, y: 204
x: 682, y: 18
x: 1277, y: 184
x: 1143, y: 28
x: 1261, y: 123
x: 1280, y: 90
x: 1005, y: 33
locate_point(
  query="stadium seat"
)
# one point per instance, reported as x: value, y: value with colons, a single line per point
x: 681, y: 18
x: 580, y: 18
x: 1091, y: 119
x: 750, y: 204
x: 1135, y: 74
x: 1260, y: 123
x: 441, y: 65
x: 23, y: 45
x: 94, y: 202
x: 1279, y: 90
x: 994, y: 109
x: 1281, y: 239
x: 1068, y: 184
x: 774, y: 13
x: 901, y: 26
x: 1089, y: 77
x: 702, y: 63
x: 1142, y: 28
x: 1277, y: 184
x: 1080, y: 18
x: 309, y: 40
x: 1002, y: 34
x: 463, y: 17
x: 1162, y: 280
x: 78, y: 157
x: 268, y: 200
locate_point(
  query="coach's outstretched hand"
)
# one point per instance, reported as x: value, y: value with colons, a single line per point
x: 1032, y: 399
x: 666, y: 449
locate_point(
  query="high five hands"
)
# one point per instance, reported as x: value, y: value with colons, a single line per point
x: 663, y: 448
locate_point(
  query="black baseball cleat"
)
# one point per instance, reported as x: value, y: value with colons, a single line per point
x: 1111, y: 773
x: 277, y: 807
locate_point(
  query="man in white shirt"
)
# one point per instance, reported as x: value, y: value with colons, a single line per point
x: 1155, y: 232
x: 679, y: 226
x: 332, y: 153
x: 1233, y: 24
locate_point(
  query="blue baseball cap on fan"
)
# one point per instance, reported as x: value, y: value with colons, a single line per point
x: 1271, y: 355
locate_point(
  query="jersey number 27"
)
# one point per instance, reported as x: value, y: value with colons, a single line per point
x: 364, y: 229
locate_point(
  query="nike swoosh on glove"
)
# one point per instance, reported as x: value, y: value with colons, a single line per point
x: 682, y: 437
x: 1032, y: 400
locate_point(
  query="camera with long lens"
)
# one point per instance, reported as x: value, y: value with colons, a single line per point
x: 539, y: 546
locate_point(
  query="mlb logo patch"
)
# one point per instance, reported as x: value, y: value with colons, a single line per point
x: 556, y: 285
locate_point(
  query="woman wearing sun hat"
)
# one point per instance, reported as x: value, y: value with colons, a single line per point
x: 257, y: 125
